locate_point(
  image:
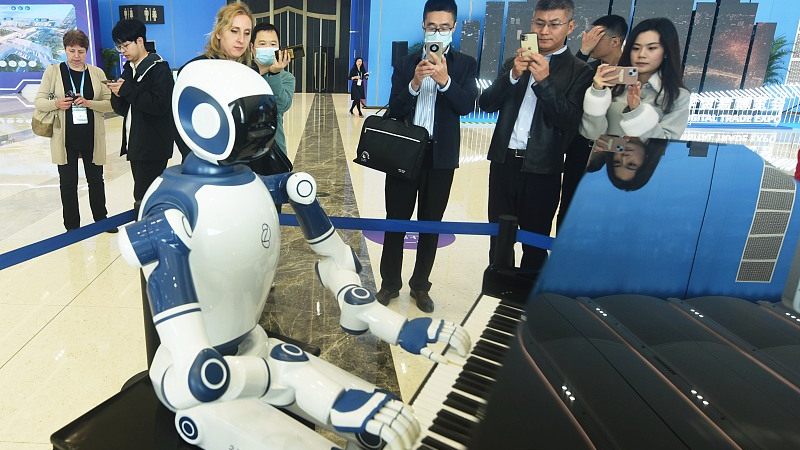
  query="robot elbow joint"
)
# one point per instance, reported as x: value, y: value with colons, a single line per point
x: 301, y: 188
x: 209, y: 376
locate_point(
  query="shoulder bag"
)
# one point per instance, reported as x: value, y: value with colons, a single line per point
x: 42, y: 121
x: 391, y: 146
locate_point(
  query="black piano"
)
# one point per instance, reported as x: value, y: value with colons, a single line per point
x: 665, y: 318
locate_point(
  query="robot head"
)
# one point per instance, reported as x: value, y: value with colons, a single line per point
x: 224, y: 111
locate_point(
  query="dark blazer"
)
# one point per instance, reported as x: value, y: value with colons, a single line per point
x: 458, y: 100
x: 558, y: 112
x: 150, y: 93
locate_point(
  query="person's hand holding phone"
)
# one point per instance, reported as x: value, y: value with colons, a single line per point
x: 81, y: 101
x: 439, y: 75
x: 115, y: 85
x: 521, y: 63
x: 539, y: 67
x: 605, y: 76
x: 282, y: 59
x: 64, y: 103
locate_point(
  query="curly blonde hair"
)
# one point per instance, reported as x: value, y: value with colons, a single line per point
x: 223, y: 23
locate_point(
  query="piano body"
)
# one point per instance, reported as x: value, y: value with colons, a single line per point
x: 657, y: 322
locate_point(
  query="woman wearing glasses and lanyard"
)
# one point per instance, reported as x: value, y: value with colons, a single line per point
x: 76, y: 89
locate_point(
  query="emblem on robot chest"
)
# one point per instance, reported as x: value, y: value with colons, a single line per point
x: 266, y: 235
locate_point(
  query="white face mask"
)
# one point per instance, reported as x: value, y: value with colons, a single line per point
x: 440, y: 36
x: 266, y: 55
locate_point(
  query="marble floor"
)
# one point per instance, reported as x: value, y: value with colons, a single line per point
x: 71, y: 321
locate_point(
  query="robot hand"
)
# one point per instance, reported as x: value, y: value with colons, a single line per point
x: 377, y: 414
x: 416, y: 334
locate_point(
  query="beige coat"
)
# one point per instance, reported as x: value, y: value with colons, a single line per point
x: 52, y: 83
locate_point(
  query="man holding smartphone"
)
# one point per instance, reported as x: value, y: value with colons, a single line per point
x: 540, y: 99
x: 143, y: 96
x: 427, y: 89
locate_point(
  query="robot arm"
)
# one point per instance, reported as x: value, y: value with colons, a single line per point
x: 198, y: 372
x: 338, y: 271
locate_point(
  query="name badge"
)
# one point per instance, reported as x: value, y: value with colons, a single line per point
x: 359, y: 83
x: 79, y: 115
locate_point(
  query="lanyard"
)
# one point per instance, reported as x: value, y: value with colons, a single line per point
x: 83, y: 76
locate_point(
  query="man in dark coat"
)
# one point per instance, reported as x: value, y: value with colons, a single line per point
x: 432, y: 92
x: 540, y: 99
x: 143, y: 96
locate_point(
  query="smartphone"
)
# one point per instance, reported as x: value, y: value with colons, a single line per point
x: 530, y: 42
x: 434, y: 47
x: 295, y: 51
x: 626, y: 75
x: 613, y: 144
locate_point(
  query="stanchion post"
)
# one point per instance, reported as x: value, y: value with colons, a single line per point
x: 506, y: 238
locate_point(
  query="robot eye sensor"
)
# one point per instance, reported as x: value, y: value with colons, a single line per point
x: 204, y: 122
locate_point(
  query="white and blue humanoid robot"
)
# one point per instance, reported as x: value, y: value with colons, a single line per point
x: 208, y: 240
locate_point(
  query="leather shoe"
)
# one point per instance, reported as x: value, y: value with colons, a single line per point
x: 112, y: 230
x: 384, y: 296
x: 424, y: 301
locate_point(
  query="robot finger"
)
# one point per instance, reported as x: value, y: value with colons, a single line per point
x: 406, y: 412
x: 399, y: 425
x: 435, y: 357
x: 460, y: 342
x: 392, y: 438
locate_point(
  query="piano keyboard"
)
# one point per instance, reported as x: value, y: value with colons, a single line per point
x: 452, y: 399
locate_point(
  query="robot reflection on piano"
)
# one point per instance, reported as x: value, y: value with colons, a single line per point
x: 208, y: 239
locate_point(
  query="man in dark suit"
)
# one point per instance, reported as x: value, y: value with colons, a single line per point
x: 432, y: 92
x: 540, y: 99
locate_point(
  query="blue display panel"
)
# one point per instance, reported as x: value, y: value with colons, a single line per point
x: 31, y: 38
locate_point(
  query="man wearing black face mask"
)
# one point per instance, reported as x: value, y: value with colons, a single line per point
x: 432, y: 92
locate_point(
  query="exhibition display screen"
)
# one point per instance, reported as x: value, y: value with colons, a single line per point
x: 31, y: 38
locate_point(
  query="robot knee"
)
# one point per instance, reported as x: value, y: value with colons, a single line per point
x: 301, y: 188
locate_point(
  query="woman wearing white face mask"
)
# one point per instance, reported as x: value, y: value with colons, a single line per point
x: 264, y: 46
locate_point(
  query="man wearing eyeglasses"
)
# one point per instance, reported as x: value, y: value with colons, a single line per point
x: 603, y: 42
x: 143, y: 96
x: 540, y: 99
x: 431, y: 91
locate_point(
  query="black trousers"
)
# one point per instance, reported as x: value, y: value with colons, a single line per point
x: 68, y: 183
x: 144, y: 173
x: 574, y: 169
x: 531, y: 197
x: 431, y: 190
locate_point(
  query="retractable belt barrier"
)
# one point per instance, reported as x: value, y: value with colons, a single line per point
x: 40, y: 248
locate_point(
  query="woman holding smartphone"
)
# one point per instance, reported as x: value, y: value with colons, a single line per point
x: 656, y: 105
x: 78, y: 92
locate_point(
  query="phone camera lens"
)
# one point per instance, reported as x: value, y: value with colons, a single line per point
x: 434, y: 48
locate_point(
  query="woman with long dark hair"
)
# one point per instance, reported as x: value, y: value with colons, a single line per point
x: 358, y: 74
x: 657, y: 105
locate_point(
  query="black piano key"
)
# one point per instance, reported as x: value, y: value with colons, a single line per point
x: 498, y: 324
x: 513, y: 323
x: 496, y: 336
x: 449, y: 418
x: 463, y: 404
x: 481, y: 367
x: 513, y: 305
x: 449, y: 433
x: 488, y: 351
x: 436, y: 444
x: 514, y: 313
x: 468, y: 386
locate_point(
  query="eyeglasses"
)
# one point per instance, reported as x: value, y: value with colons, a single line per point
x: 444, y: 29
x: 122, y: 47
x: 541, y: 24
